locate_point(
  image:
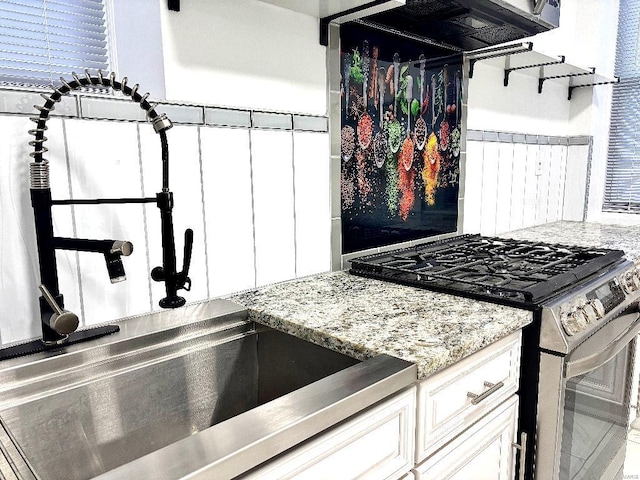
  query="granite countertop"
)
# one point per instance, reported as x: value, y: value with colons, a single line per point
x: 364, y: 317
x: 585, y: 234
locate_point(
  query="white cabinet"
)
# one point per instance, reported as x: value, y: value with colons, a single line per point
x: 467, y: 416
x: 445, y: 408
x: 482, y: 452
x: 376, y: 444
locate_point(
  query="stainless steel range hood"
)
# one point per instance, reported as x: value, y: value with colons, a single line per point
x: 470, y: 24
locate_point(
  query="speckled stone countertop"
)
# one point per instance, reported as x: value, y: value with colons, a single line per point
x: 585, y: 234
x: 364, y: 317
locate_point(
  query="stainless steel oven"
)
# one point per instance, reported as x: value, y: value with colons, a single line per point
x: 577, y: 354
x: 585, y: 379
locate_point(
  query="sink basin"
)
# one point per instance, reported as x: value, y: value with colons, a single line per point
x: 164, y: 398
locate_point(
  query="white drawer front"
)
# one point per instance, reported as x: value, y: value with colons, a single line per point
x: 376, y: 444
x: 444, y: 407
x: 484, y: 452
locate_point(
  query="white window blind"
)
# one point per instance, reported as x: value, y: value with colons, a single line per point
x: 622, y: 187
x: 43, y: 40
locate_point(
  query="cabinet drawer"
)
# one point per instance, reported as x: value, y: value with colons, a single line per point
x: 444, y: 407
x: 483, y: 452
x: 376, y: 444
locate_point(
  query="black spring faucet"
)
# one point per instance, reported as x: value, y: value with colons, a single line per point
x: 55, y: 331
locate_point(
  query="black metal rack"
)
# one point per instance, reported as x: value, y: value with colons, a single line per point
x: 524, y: 59
x: 508, y: 70
x: 592, y: 84
x: 571, y: 75
x: 496, y: 52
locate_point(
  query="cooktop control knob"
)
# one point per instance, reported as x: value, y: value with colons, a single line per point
x: 636, y: 278
x: 573, y: 322
x: 630, y: 282
x: 590, y: 313
x: 597, y: 305
x: 581, y: 319
x: 566, y: 324
x: 626, y: 280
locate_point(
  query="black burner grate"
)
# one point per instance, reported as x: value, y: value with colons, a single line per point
x: 512, y: 272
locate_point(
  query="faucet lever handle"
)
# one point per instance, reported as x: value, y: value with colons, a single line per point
x: 62, y: 321
x: 186, y: 259
x: 50, y: 300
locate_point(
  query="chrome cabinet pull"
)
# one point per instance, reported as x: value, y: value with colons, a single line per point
x: 523, y: 454
x: 493, y: 388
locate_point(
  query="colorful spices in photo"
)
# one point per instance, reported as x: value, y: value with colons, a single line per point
x: 395, y: 135
x: 420, y: 133
x: 391, y: 190
x: 431, y: 169
x: 380, y: 148
x: 406, y: 154
x: 406, y: 185
x: 347, y: 189
x: 444, y: 135
x: 347, y: 142
x: 364, y: 185
x: 401, y: 150
x: 365, y: 131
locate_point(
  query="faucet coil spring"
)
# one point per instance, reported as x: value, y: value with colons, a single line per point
x: 65, y: 84
x: 38, y: 132
x: 39, y: 140
x: 39, y: 175
x: 44, y: 108
x: 160, y: 122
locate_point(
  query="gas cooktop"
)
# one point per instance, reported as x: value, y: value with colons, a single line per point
x: 511, y: 272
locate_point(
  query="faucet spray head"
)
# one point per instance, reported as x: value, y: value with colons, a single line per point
x: 115, y: 268
x: 120, y: 248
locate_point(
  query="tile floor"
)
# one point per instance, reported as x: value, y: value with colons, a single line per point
x: 632, y: 460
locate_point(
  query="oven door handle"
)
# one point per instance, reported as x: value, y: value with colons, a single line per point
x: 598, y: 355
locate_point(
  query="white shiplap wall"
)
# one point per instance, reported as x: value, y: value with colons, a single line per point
x: 257, y: 200
x: 511, y: 185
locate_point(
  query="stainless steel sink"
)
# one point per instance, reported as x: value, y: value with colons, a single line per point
x: 199, y: 391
